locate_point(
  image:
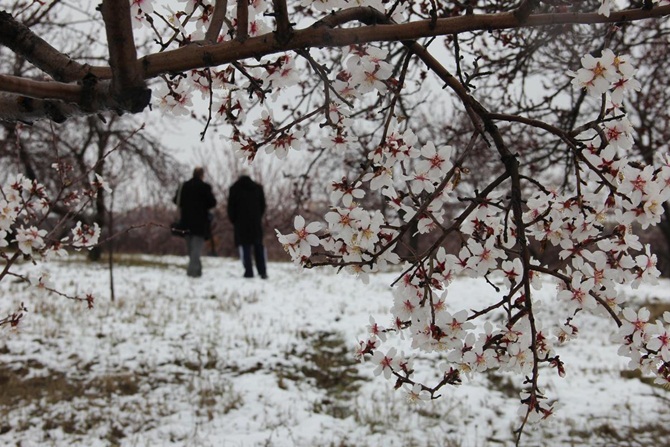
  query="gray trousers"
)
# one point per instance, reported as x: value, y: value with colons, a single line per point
x: 194, y: 248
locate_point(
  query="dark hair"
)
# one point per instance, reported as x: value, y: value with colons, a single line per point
x: 198, y: 172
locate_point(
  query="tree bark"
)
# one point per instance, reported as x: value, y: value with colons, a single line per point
x: 128, y: 87
x: 128, y: 92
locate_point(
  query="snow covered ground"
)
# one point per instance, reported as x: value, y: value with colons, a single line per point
x: 225, y: 361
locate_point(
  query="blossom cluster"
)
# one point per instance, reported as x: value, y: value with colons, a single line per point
x: 24, y: 208
x: 591, y: 228
x: 363, y: 240
x: 646, y: 343
x: 607, y: 73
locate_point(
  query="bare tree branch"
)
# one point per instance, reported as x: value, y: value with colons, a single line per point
x: 283, y: 31
x: 525, y: 9
x: 242, y: 20
x: 40, y: 89
x: 127, y: 82
x: 72, y: 100
x: 321, y: 34
x: 21, y: 40
x: 217, y: 20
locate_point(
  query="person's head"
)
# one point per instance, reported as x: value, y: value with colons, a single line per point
x: 199, y: 172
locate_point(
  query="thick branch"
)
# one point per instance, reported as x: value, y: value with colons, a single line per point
x: 321, y: 35
x: 127, y: 81
x: 22, y: 41
x: 242, y: 20
x: 21, y: 108
x: 283, y: 30
x: 73, y: 100
x: 40, y: 89
x: 216, y: 22
x: 525, y: 9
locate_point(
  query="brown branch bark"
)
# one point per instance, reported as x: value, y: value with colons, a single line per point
x: 40, y: 89
x: 22, y: 41
x: 321, y: 34
x: 127, y: 81
x: 73, y: 100
x: 15, y: 108
x: 216, y: 22
x: 525, y: 9
x: 283, y: 26
x: 242, y: 20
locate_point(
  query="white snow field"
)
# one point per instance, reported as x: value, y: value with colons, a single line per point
x: 226, y: 361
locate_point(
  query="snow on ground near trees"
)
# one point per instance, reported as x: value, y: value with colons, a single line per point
x: 225, y: 361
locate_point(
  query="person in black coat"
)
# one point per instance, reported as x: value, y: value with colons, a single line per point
x: 194, y: 199
x: 246, y: 206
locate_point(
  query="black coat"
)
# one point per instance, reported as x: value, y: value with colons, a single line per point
x: 246, y: 205
x: 196, y: 200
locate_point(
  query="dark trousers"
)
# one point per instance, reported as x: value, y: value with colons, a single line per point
x: 258, y: 251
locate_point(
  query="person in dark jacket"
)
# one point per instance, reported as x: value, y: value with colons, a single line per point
x: 195, y: 199
x: 246, y: 205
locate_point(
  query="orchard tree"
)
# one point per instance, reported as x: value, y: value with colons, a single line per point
x: 87, y: 145
x: 350, y: 76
